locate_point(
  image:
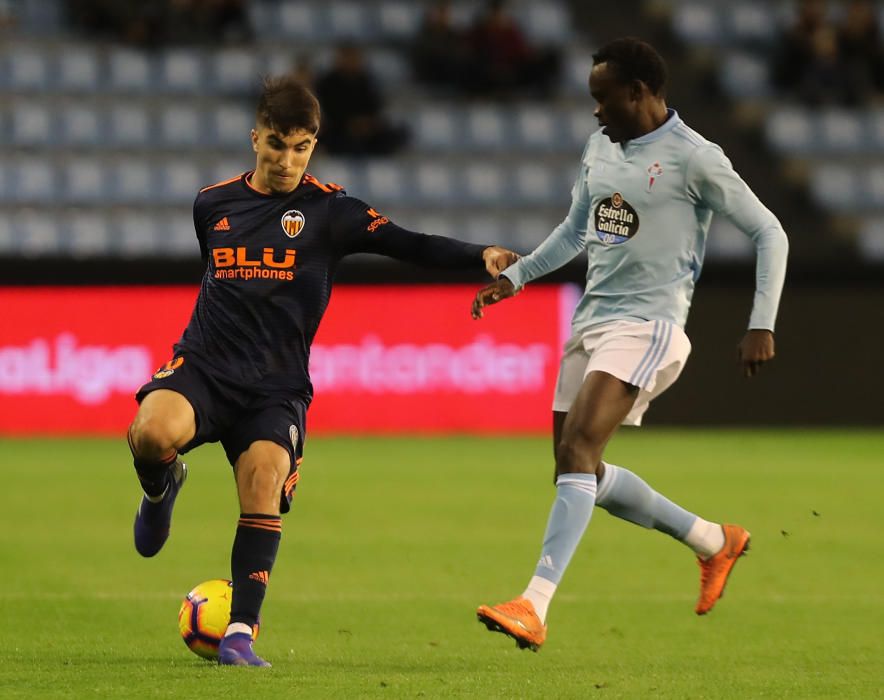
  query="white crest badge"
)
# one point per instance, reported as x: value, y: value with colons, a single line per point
x: 293, y: 222
x: 654, y: 171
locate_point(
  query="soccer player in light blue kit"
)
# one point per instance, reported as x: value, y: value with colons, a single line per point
x: 646, y: 191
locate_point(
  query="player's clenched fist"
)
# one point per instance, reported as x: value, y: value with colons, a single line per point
x: 493, y: 293
x: 498, y: 259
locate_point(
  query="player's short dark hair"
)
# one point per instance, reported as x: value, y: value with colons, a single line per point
x: 287, y: 105
x: 634, y: 59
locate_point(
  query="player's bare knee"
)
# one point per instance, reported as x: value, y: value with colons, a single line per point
x: 578, y: 453
x: 151, y: 438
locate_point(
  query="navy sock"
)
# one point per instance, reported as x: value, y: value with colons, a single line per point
x: 152, y: 473
x: 254, y: 551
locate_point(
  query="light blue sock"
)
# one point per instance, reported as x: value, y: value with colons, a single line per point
x: 570, y: 514
x: 626, y: 496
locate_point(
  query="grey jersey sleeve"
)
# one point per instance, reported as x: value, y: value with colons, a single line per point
x: 562, y: 245
x: 713, y: 183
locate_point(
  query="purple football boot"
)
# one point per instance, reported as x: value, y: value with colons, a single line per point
x: 236, y: 650
x: 152, y: 521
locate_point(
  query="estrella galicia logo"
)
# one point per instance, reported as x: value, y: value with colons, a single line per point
x: 293, y: 222
x: 615, y: 220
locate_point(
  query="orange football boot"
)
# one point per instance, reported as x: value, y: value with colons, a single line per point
x: 517, y: 619
x: 715, y: 570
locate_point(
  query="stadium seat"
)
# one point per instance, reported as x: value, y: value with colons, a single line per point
x: 752, y: 23
x: 8, y: 239
x: 138, y: 233
x: 436, y: 127
x: 132, y: 182
x: 696, y: 23
x: 33, y: 181
x: 487, y: 128
x: 745, y: 75
x: 385, y: 183
x: 83, y: 181
x: 539, y: 128
x: 181, y: 71
x: 36, y: 233
x: 234, y: 71
x: 535, y: 183
x: 298, y: 20
x: 484, y: 183
x: 27, y: 69
x: 232, y: 125
x: 791, y: 130
x: 841, y: 131
x: 871, y: 239
x: 130, y: 71
x: 349, y: 20
x: 130, y: 126
x: 874, y: 187
x: 835, y: 187
x: 398, y: 20
x: 177, y: 238
x: 87, y: 233
x: 32, y: 124
x: 482, y: 228
x: 437, y: 184
x: 182, y: 126
x: 875, y: 129
x: 544, y: 22
x: 82, y: 125
x: 78, y: 68
x: 180, y: 180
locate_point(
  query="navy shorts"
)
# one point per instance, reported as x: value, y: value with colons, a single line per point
x: 233, y: 415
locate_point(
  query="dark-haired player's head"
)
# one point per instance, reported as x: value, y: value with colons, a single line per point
x: 628, y: 81
x: 286, y: 123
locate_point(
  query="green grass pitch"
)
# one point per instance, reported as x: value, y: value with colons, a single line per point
x: 392, y: 543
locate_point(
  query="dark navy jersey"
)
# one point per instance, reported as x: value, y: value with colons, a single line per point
x: 271, y: 261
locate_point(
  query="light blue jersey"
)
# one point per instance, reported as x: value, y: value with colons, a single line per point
x: 642, y: 212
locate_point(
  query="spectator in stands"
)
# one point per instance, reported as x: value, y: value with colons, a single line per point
x: 859, y: 45
x: 353, y: 120
x: 504, y: 64
x: 206, y: 21
x: 808, y: 64
x: 440, y: 54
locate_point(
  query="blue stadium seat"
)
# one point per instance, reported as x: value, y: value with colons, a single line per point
x: 437, y: 127
x: 232, y: 125
x: 183, y: 125
x: 871, y: 240
x: 224, y: 169
x: 88, y: 234
x: 341, y: 172
x: 181, y: 71
x: 386, y: 183
x: 139, y: 233
x: 873, y: 179
x: 298, y: 20
x: 437, y: 184
x: 544, y: 22
x: 82, y: 125
x: 8, y: 239
x: 130, y: 126
x: 84, y: 181
x: 752, y: 23
x: 580, y: 124
x: 534, y: 183
x: 37, y: 234
x: 234, y: 71
x: 482, y: 228
x: 538, y: 128
x: 177, y: 238
x: 575, y: 74
x: 132, y: 182
x: 398, y: 20
x: 697, y: 23
x: 349, y: 20
x: 484, y: 183
x: 390, y: 67
x: 27, y: 69
x: 33, y: 181
x: 841, y: 131
x: 180, y: 180
x: 791, y: 130
x: 875, y: 129
x: 835, y: 187
x: 6, y: 175
x: 78, y: 69
x: 487, y: 128
x: 745, y: 75
x: 32, y: 124
x: 130, y: 71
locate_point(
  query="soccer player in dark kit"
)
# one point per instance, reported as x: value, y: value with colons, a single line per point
x: 272, y: 238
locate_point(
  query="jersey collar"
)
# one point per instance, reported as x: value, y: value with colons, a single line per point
x: 672, y: 120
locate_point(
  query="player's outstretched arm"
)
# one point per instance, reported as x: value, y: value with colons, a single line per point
x: 756, y: 348
x: 493, y: 293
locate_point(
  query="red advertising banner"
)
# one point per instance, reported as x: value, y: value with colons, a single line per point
x: 387, y: 359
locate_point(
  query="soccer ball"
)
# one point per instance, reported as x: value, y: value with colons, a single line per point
x: 204, y: 616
